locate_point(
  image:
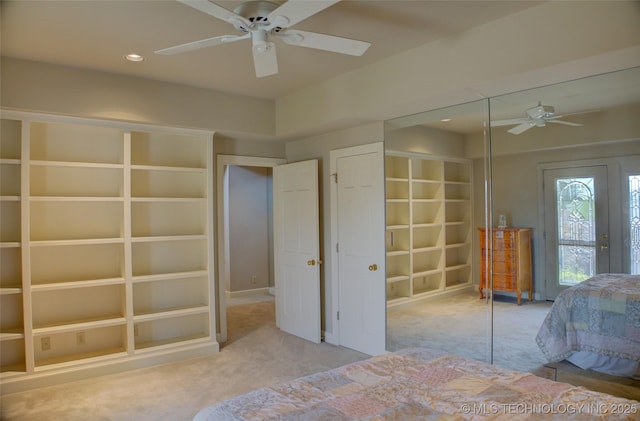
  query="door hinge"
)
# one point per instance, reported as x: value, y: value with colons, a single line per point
x: 337, y: 248
x: 338, y: 315
x: 335, y: 177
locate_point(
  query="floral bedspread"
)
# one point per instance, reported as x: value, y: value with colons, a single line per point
x: 420, y: 384
x: 601, y: 314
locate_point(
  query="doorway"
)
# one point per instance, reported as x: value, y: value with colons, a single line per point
x: 226, y: 163
x: 576, y: 202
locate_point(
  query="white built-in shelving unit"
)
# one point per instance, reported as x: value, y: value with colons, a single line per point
x: 106, y: 246
x: 428, y: 214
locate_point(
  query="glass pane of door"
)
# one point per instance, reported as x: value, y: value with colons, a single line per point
x: 576, y: 226
x: 575, y: 199
x: 634, y: 224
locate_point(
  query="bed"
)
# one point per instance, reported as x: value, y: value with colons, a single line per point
x: 419, y: 384
x: 596, y: 325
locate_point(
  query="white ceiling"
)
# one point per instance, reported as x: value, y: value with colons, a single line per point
x: 97, y: 34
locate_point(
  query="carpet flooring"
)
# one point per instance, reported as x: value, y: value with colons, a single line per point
x: 258, y: 354
x: 460, y: 323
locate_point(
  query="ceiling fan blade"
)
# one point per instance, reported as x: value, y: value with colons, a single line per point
x: 216, y: 11
x: 209, y: 42
x: 520, y: 128
x: 294, y: 11
x: 509, y: 122
x: 265, y: 59
x: 566, y: 123
x: 324, y: 42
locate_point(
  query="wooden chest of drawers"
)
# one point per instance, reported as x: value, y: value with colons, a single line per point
x: 511, y: 255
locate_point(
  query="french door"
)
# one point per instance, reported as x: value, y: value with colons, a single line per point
x: 576, y: 225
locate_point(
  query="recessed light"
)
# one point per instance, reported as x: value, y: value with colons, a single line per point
x: 134, y: 57
x: 444, y: 120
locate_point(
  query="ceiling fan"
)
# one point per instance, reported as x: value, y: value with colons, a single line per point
x: 537, y: 116
x: 260, y: 20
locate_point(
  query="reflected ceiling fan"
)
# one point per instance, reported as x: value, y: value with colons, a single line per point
x: 261, y: 20
x: 537, y: 116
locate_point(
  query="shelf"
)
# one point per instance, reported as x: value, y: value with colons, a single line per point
x: 398, y: 227
x: 397, y: 253
x: 163, y: 183
x: 9, y: 335
x: 172, y: 342
x: 177, y: 296
x: 170, y: 313
x: 436, y: 221
x: 78, y: 326
x: 169, y: 199
x: 63, y: 142
x: 157, y: 256
x: 457, y: 267
x: 97, y: 356
x: 8, y: 161
x: 74, y: 164
x: 168, y: 149
x: 10, y: 245
x: 75, y: 181
x: 77, y: 284
x: 170, y: 276
x: 162, y: 168
x: 12, y: 354
x: 171, y: 328
x: 10, y: 291
x: 165, y: 238
x: 79, y: 242
x: 397, y: 278
x: 76, y: 199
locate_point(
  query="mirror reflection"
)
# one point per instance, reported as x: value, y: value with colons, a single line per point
x: 551, y: 201
x: 431, y: 218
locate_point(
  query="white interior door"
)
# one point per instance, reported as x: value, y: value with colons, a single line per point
x: 361, y: 252
x: 297, y: 249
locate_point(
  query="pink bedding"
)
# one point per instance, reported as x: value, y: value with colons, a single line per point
x: 421, y: 384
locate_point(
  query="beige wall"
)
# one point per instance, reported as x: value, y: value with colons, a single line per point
x: 517, y: 188
x: 249, y: 227
x: 48, y: 88
x: 549, y: 43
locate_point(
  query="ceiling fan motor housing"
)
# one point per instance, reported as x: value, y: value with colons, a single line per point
x: 256, y: 12
x: 541, y: 111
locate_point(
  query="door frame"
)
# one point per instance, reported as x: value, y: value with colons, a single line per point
x: 334, y: 155
x: 613, y: 170
x: 222, y: 164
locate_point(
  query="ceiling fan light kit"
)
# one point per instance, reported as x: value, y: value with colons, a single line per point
x: 259, y: 20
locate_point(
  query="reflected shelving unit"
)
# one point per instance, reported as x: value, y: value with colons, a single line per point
x: 428, y: 214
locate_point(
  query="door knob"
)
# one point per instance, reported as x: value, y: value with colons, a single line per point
x: 373, y: 267
x: 311, y: 262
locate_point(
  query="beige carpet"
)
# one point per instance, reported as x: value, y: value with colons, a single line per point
x: 459, y: 324
x: 257, y: 354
